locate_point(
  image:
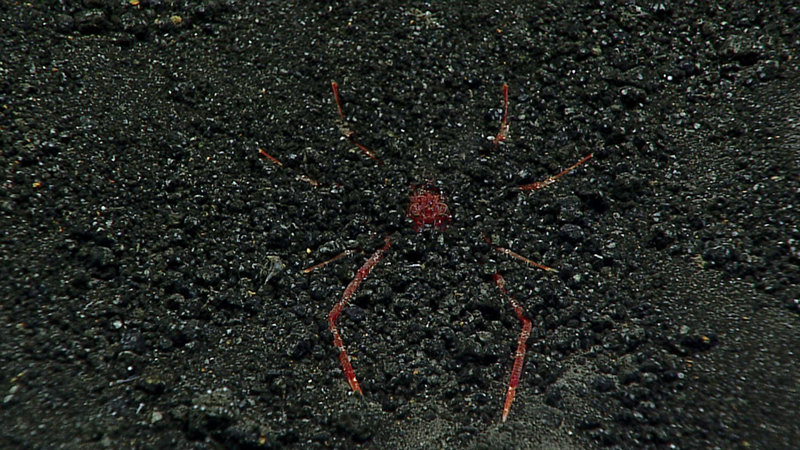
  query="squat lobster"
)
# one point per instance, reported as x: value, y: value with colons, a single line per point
x: 427, y: 210
x: 426, y: 207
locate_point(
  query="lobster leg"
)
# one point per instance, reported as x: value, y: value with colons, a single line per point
x: 519, y: 356
x: 361, y: 274
x: 345, y: 128
x: 502, y: 135
x: 550, y: 180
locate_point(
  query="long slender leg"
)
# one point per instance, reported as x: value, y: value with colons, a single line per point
x: 273, y: 159
x: 335, y: 87
x: 502, y: 135
x: 361, y: 274
x: 550, y: 180
x: 277, y: 162
x: 345, y: 128
x: 519, y: 357
x: 516, y: 255
x: 347, y: 252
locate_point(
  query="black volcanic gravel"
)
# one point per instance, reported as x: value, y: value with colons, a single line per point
x: 151, y: 284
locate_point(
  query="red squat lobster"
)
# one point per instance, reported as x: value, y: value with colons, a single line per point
x: 428, y: 210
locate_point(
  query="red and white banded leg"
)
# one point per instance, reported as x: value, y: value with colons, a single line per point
x: 550, y: 180
x: 502, y: 135
x: 519, y: 356
x: 344, y: 127
x: 361, y: 274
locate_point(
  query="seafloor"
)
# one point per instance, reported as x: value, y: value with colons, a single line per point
x: 151, y: 285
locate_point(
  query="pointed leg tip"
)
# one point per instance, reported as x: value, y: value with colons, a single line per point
x: 355, y: 386
x: 509, y: 400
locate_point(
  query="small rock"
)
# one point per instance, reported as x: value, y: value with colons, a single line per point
x: 92, y: 21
